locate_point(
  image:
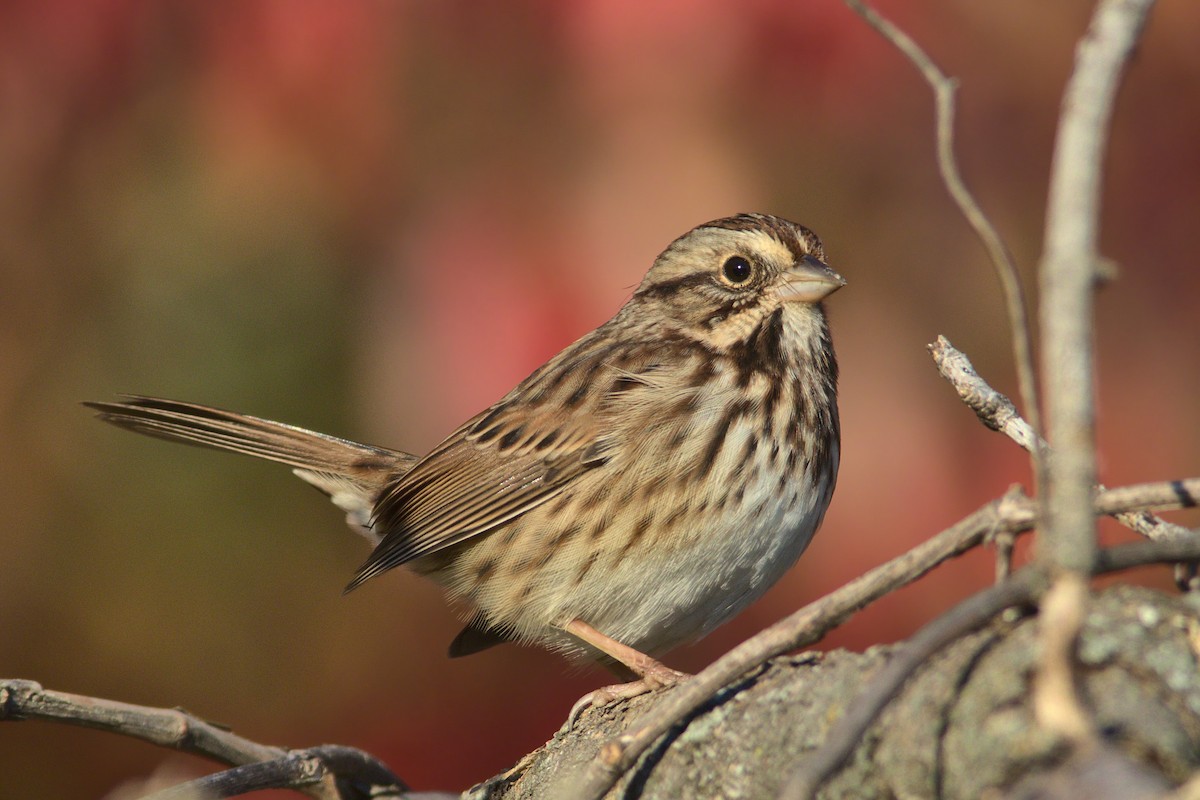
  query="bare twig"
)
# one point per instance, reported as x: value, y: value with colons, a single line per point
x: 1024, y: 588
x: 944, y: 89
x: 1055, y: 703
x: 1162, y: 496
x: 1004, y: 544
x: 166, y: 727
x: 300, y: 769
x: 993, y: 408
x: 1068, y: 273
x: 179, y: 730
x: 1013, y: 513
x: 998, y: 413
x: 1067, y: 534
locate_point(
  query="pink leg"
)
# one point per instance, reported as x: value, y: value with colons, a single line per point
x: 652, y: 674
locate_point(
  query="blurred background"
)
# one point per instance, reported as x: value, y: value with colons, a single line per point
x: 374, y: 218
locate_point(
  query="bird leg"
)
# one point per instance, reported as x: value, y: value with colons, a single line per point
x: 652, y: 674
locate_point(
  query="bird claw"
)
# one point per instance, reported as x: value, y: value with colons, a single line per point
x: 657, y: 677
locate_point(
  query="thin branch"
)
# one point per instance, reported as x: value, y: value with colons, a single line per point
x: 944, y: 89
x: 1056, y: 704
x: 178, y: 730
x: 166, y: 727
x: 299, y: 769
x: 998, y: 413
x: 993, y: 408
x: 1161, y: 496
x: 1023, y: 589
x: 1013, y: 513
x: 1067, y: 534
x: 1068, y: 275
x: 292, y: 771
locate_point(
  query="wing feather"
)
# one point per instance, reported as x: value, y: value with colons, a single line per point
x: 512, y: 457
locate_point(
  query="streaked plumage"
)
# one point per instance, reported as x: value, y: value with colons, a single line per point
x: 651, y: 480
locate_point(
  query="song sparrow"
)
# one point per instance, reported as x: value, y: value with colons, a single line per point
x: 632, y: 494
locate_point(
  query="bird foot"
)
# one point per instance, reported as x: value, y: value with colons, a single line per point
x: 658, y: 676
x: 652, y: 673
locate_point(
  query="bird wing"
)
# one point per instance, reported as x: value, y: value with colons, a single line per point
x: 519, y: 453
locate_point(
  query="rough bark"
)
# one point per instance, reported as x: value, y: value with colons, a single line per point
x: 962, y: 728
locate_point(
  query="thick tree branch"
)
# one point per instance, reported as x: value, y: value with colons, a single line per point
x: 804, y: 627
x: 1025, y: 588
x: 1013, y: 513
x: 962, y: 726
x: 846, y: 734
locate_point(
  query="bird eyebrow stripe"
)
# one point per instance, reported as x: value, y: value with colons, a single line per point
x: 672, y: 286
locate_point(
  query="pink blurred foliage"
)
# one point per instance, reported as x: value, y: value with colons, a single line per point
x: 481, y: 185
x: 303, y: 87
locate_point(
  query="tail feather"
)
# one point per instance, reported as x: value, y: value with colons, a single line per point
x: 241, y: 433
x: 352, y: 474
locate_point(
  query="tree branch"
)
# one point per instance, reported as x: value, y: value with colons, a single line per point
x: 998, y: 413
x: 1068, y: 274
x: 1025, y: 588
x: 1067, y: 537
x: 944, y: 91
x: 178, y: 730
x: 845, y: 735
x: 1012, y: 513
x: 355, y: 776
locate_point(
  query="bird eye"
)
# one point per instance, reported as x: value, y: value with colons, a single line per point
x: 737, y: 270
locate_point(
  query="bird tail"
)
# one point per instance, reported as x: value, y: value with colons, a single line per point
x: 353, y: 475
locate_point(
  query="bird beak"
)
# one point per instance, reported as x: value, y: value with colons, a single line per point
x: 809, y: 281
